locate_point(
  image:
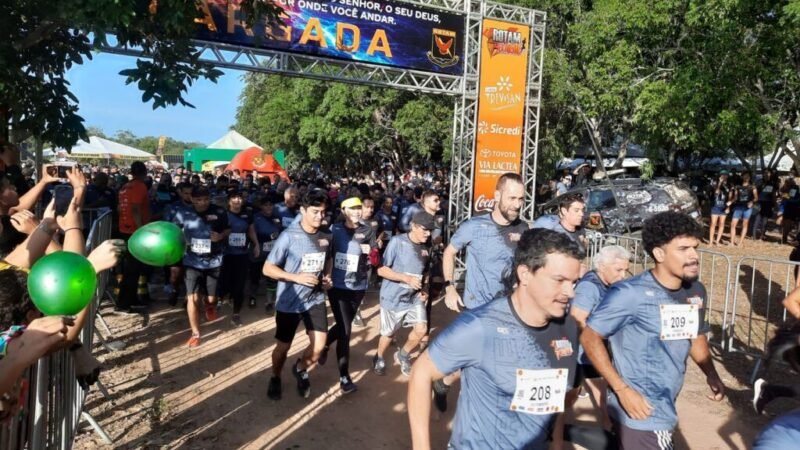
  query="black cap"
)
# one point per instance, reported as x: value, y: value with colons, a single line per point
x: 235, y: 193
x: 424, y: 220
x: 200, y: 191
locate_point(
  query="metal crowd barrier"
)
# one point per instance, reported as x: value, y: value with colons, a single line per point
x: 54, y: 405
x: 760, y: 286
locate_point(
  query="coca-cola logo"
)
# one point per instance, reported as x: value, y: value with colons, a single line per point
x: 484, y: 204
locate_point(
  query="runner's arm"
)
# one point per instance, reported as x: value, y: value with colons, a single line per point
x: 276, y: 273
x: 580, y: 315
x: 423, y: 373
x: 390, y: 274
x: 449, y: 263
x: 792, y: 303
x: 702, y: 357
x: 595, y: 349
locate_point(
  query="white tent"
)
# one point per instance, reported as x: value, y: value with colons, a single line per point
x: 234, y: 141
x: 100, y: 148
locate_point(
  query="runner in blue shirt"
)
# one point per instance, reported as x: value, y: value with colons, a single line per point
x: 517, y: 354
x: 389, y: 220
x: 653, y: 321
x: 571, y: 212
x: 489, y: 240
x: 184, y: 203
x: 236, y: 262
x: 353, y: 242
x: 298, y: 261
x: 287, y: 210
x: 268, y: 228
x: 782, y: 433
x: 405, y: 271
x: 205, y: 229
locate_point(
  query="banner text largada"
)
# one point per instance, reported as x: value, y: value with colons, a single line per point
x: 373, y: 31
x: 501, y: 108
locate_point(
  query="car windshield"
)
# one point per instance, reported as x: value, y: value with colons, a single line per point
x: 600, y: 200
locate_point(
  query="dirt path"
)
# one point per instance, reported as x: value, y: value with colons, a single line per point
x: 166, y: 396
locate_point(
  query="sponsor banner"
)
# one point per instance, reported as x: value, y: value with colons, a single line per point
x: 501, y: 108
x: 383, y: 32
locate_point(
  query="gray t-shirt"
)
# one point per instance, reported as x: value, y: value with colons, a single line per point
x: 632, y: 317
x: 403, y: 256
x: 296, y: 251
x: 552, y: 222
x: 490, y: 256
x: 351, y: 249
x: 493, y: 347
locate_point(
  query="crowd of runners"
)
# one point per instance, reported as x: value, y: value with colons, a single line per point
x: 535, y: 325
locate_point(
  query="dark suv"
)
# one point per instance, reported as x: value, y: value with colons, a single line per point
x: 638, y: 200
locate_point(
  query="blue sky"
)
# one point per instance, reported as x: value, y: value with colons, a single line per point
x: 106, y: 102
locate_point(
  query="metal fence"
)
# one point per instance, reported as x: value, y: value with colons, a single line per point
x: 54, y: 405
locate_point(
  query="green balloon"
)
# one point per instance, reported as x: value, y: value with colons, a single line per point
x: 158, y: 244
x: 62, y: 283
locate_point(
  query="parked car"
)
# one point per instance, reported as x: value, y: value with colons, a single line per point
x: 636, y: 200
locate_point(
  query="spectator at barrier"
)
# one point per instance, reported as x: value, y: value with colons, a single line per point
x: 134, y: 212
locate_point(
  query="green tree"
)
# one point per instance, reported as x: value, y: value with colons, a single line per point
x: 42, y: 39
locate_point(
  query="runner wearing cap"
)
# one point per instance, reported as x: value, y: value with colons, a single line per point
x: 298, y: 261
x: 206, y: 229
x: 490, y: 241
x: 236, y: 263
x: 268, y: 228
x: 653, y: 321
x: 403, y: 292
x: 517, y: 354
x: 353, y: 242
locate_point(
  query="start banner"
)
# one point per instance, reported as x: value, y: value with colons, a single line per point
x: 501, y: 108
x: 390, y: 33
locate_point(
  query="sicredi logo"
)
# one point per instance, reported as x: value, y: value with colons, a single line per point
x: 493, y: 128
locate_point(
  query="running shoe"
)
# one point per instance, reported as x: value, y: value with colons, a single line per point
x: 323, y: 357
x: 358, y: 320
x: 193, y: 341
x: 347, y: 385
x: 211, y: 313
x: 236, y: 321
x: 269, y: 308
x: 303, y: 384
x: 378, y: 365
x: 173, y: 298
x: 404, y: 362
x: 760, y: 400
x: 440, y: 391
x: 252, y: 302
x: 274, y: 389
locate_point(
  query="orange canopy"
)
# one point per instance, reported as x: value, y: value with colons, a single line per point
x: 254, y: 159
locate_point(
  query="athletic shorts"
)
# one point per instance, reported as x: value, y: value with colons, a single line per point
x: 198, y: 279
x: 585, y: 372
x: 630, y: 439
x: 742, y: 212
x: 391, y: 320
x: 315, y: 319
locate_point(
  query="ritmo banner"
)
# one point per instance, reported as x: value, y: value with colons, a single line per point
x: 501, y: 108
x: 380, y: 32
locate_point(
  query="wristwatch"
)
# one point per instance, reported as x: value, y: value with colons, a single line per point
x: 448, y: 283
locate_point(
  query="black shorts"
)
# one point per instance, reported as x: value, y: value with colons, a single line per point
x: 315, y: 319
x: 198, y: 279
x: 630, y: 439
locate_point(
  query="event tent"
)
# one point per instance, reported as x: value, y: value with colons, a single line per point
x: 99, y: 148
x: 234, y: 141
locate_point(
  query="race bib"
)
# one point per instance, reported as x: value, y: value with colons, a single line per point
x: 694, y: 188
x: 388, y: 234
x: 419, y: 277
x: 286, y: 221
x: 767, y: 189
x: 792, y: 193
x: 267, y: 246
x: 345, y: 262
x: 201, y: 246
x: 365, y: 249
x: 237, y: 240
x: 541, y: 391
x: 312, y: 262
x: 679, y: 322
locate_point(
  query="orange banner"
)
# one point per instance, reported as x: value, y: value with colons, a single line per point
x: 501, y: 108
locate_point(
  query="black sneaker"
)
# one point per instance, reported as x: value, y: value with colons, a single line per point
x: 323, y: 357
x: 347, y: 385
x: 269, y: 308
x: 440, y: 391
x: 378, y: 365
x: 358, y: 320
x: 760, y: 399
x: 274, y: 389
x: 173, y: 298
x: 303, y: 384
x: 236, y: 321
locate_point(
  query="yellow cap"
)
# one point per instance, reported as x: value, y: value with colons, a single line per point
x: 352, y: 202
